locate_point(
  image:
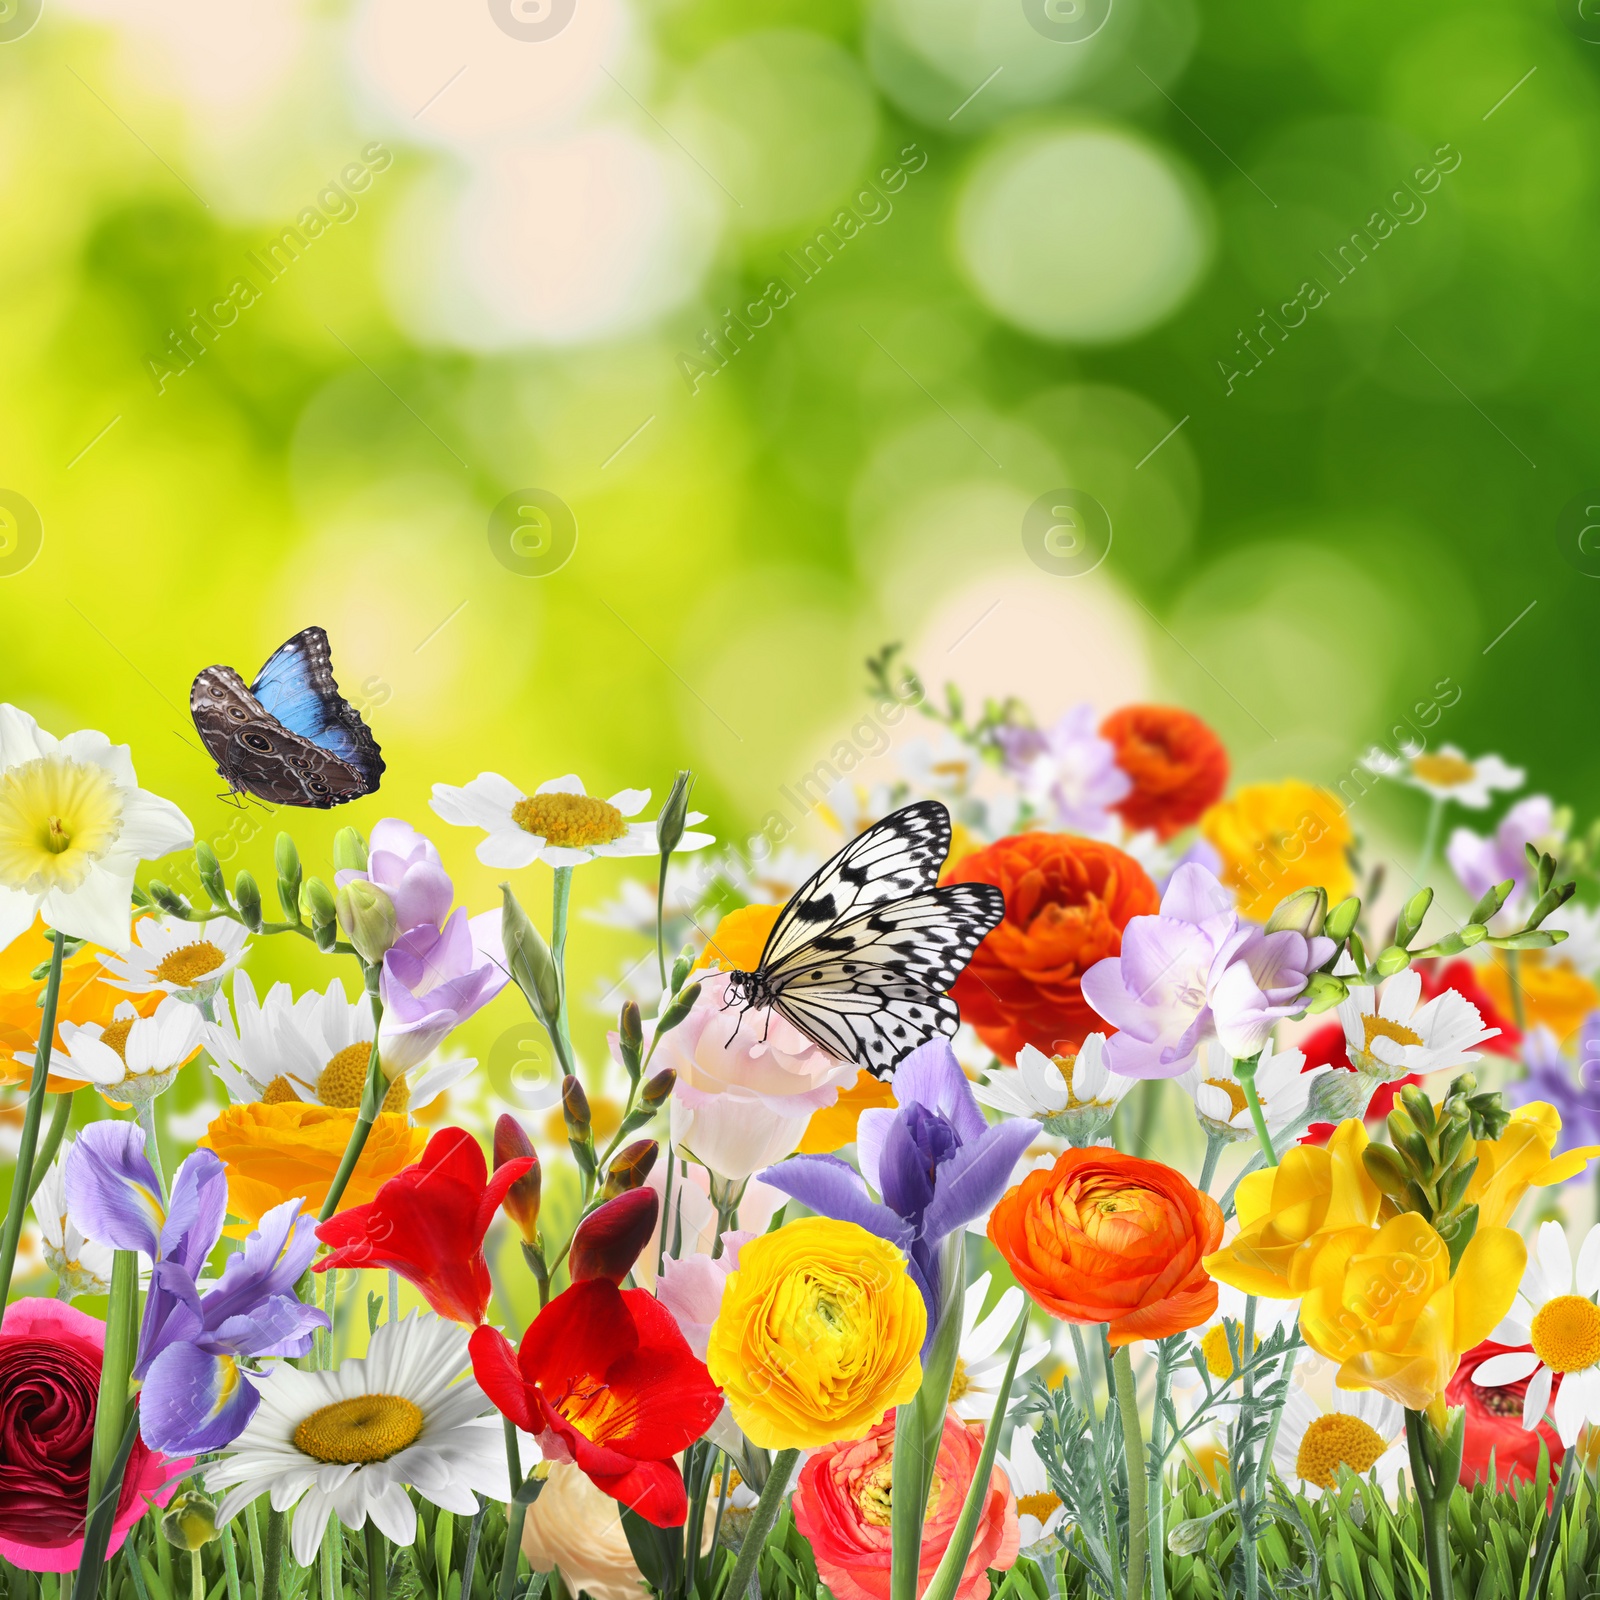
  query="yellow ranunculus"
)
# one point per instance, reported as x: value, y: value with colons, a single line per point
x: 818, y: 1336
x: 1276, y: 838
x: 274, y: 1153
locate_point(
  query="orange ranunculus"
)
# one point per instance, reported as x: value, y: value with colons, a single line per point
x: 1277, y: 838
x: 85, y: 997
x: 1104, y: 1237
x: 1067, y: 902
x: 834, y: 1126
x: 274, y: 1153
x: 1177, y: 764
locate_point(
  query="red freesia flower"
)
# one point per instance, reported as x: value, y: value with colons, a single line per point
x: 427, y: 1224
x: 1494, y: 1423
x: 605, y: 1380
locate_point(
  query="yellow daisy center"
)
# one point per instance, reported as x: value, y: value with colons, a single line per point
x: 1218, y: 1352
x: 1235, y: 1094
x: 1039, y: 1506
x: 57, y: 818
x: 279, y: 1092
x: 189, y: 963
x: 370, y: 1427
x: 1376, y: 1027
x: 960, y: 1381
x: 116, y: 1036
x: 1443, y: 772
x: 573, y: 821
x: 873, y: 1496
x: 1566, y: 1333
x: 342, y: 1080
x: 1336, y: 1440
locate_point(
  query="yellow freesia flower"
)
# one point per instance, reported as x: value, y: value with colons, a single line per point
x: 819, y: 1334
x: 1276, y: 838
x: 1520, y: 1159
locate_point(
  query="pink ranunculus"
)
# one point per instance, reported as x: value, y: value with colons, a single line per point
x: 748, y: 1083
x: 50, y: 1358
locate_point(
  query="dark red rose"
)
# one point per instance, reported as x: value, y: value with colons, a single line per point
x: 1494, y: 1423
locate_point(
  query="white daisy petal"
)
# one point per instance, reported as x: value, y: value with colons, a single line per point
x: 1512, y: 1367
x: 1537, y: 1400
x: 1587, y: 1275
x: 1555, y: 1258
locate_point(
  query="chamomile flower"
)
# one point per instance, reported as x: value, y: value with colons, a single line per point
x: 350, y: 1442
x: 1390, y: 1035
x: 1282, y: 1085
x: 1359, y: 1429
x: 176, y: 957
x: 132, y: 1059
x: 1070, y: 1095
x: 1556, y: 1318
x: 986, y: 1348
x: 1447, y: 774
x: 81, y: 1265
x: 1039, y: 1509
x: 316, y: 1049
x: 558, y: 823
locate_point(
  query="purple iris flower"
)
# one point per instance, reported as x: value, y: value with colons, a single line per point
x: 434, y: 978
x: 936, y: 1162
x: 196, y: 1396
x: 1551, y: 1078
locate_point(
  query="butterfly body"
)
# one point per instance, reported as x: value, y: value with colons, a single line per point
x: 290, y: 737
x: 861, y: 957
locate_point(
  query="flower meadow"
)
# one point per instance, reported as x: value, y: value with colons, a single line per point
x: 1240, y: 1240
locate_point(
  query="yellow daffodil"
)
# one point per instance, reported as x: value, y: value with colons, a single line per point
x: 1276, y: 838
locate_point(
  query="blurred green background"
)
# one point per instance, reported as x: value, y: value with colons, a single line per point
x: 798, y: 308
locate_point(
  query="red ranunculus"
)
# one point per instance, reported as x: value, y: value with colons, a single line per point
x: 50, y: 1360
x: 427, y: 1224
x: 605, y: 1380
x: 1178, y: 766
x: 1494, y: 1423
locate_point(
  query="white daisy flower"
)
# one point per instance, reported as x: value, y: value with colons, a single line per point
x: 1389, y: 1035
x: 1068, y: 1094
x: 558, y: 823
x: 132, y: 1059
x: 316, y: 1048
x: 1282, y: 1086
x: 1447, y: 774
x: 986, y: 1348
x: 176, y: 957
x: 1359, y: 1429
x: 1555, y: 1315
x: 1039, y: 1509
x: 81, y: 1265
x: 74, y: 825
x: 348, y: 1443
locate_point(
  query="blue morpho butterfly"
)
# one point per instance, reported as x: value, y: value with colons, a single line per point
x: 289, y: 738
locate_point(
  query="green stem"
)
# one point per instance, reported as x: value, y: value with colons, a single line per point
x: 60, y: 1116
x: 661, y: 917
x: 1158, y: 1456
x: 197, y: 1577
x: 760, y: 1525
x: 1430, y: 840
x: 1519, y: 1009
x: 1244, y: 1483
x: 1435, y: 1510
x: 1086, y: 1379
x: 22, y: 1177
x: 100, y: 1514
x: 666, y: 1210
x: 145, y: 1116
x: 1245, y: 1072
x: 1133, y: 1440
x: 377, y: 1563
x: 1208, y: 1168
x: 371, y: 1100
x: 272, y: 1555
x: 257, y: 1563
x: 516, y: 1515
x: 230, y: 1564
x: 1547, y: 1535
x: 560, y: 895
x: 726, y: 1478
x: 116, y: 1368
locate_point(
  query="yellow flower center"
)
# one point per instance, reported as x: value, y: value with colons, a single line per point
x: 1235, y: 1094
x: 960, y: 1381
x: 57, y: 818
x: 1444, y: 772
x: 370, y: 1427
x: 873, y: 1495
x: 189, y: 963
x: 280, y: 1092
x: 343, y: 1079
x: 1376, y: 1027
x: 573, y: 821
x: 1039, y: 1506
x: 1218, y: 1352
x: 1336, y: 1440
x: 116, y: 1036
x: 1566, y: 1333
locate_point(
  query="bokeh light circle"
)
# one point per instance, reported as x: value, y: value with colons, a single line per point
x: 21, y: 533
x: 533, y: 532
x: 1577, y: 533
x: 1066, y: 533
x: 1084, y: 234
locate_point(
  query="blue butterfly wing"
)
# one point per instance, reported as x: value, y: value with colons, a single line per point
x: 297, y: 687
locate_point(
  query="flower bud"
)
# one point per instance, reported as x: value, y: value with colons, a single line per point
x: 657, y: 1089
x: 608, y: 1241
x: 1302, y: 912
x: 532, y: 967
x: 190, y: 1521
x: 1189, y: 1538
x: 580, y: 1127
x: 669, y: 826
x: 247, y: 896
x: 1493, y: 899
x: 349, y: 851
x: 1411, y: 917
x: 169, y: 900
x: 521, y: 1203
x: 321, y: 911
x: 1385, y: 1169
x: 1323, y: 991
x: 630, y: 1039
x: 682, y: 1004
x: 681, y: 968
x: 367, y: 916
x: 1392, y: 960
x: 1339, y: 922
x: 286, y: 857
x: 630, y: 1167
x: 210, y: 870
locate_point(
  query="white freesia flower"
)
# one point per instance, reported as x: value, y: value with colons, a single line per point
x: 74, y: 824
x: 175, y: 957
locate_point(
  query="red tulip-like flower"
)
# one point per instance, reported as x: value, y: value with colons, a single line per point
x: 608, y: 1241
x: 605, y: 1380
x: 428, y: 1223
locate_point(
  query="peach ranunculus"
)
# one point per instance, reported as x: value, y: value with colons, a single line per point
x: 293, y: 1149
x: 578, y: 1528
x: 841, y: 1506
x: 1278, y: 838
x: 748, y: 1084
x: 1103, y: 1237
x: 1067, y: 901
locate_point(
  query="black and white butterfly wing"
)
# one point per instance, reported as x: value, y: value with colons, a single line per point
x: 897, y: 857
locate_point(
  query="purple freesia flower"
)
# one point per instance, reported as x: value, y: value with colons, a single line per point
x: 196, y: 1396
x: 1069, y: 767
x: 936, y: 1162
x: 1551, y: 1078
x: 407, y: 867
x: 1480, y: 863
x: 433, y: 979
